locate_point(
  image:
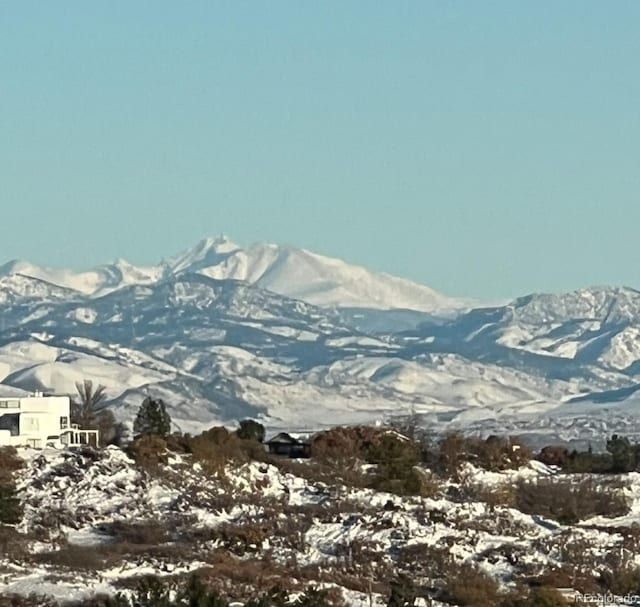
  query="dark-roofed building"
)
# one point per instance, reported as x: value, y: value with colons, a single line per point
x: 288, y: 446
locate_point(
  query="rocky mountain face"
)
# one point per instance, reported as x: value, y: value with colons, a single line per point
x: 213, y: 332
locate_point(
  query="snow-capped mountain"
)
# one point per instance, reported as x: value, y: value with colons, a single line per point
x: 92, y: 282
x: 208, y: 332
x: 291, y: 272
x: 313, y: 278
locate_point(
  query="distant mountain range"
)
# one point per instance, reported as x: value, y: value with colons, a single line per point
x: 294, y: 273
x: 300, y: 341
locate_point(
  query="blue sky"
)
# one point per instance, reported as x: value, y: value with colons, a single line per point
x: 487, y: 149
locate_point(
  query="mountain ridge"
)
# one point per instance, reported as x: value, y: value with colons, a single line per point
x: 217, y: 348
x: 288, y: 271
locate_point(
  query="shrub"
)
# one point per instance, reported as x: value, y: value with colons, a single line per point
x: 216, y: 448
x: 466, y: 585
x: 312, y: 597
x: 620, y: 575
x: 537, y: 597
x: 622, y: 456
x: 33, y: 600
x: 13, y: 544
x: 149, y: 533
x: 497, y: 453
x: 553, y: 455
x: 340, y: 443
x: 502, y: 495
x: 402, y: 592
x: 151, y: 591
x: 424, y: 560
x: 10, y: 463
x: 569, y: 501
x: 10, y: 506
x: 73, y: 557
x: 625, y: 457
x: 450, y: 455
x: 149, y: 452
x: 251, y: 430
x: 338, y: 455
x: 587, y: 462
x: 178, y: 442
x: 242, y: 539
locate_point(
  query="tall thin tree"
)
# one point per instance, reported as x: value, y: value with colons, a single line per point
x: 90, y: 413
x: 86, y: 407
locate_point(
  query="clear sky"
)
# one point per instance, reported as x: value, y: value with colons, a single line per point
x: 487, y: 149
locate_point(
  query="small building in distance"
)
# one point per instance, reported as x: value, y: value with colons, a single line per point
x: 285, y: 445
x: 40, y: 421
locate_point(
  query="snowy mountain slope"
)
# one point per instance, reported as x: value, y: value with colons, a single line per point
x: 314, y: 278
x: 20, y: 289
x: 542, y: 331
x: 218, y: 348
x: 97, y: 281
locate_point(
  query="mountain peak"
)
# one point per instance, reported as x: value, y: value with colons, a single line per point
x: 307, y: 276
x: 220, y: 244
x: 209, y: 251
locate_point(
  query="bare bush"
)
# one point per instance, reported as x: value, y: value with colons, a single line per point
x: 466, y: 585
x: 571, y: 500
x: 10, y: 463
x: 149, y: 533
x: 149, y: 452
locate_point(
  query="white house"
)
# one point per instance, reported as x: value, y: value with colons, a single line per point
x: 40, y: 421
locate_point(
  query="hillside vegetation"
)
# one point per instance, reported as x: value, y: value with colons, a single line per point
x: 375, y: 517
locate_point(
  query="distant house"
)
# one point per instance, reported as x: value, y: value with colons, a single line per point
x: 288, y: 446
x: 40, y: 421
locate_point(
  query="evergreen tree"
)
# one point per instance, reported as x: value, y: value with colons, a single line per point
x: 152, y: 418
x: 623, y: 456
x: 251, y: 430
x: 396, y: 458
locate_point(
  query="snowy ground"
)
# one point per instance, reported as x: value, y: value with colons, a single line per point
x: 71, y: 498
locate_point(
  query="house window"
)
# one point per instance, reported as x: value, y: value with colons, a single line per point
x: 11, y: 422
x: 9, y: 404
x: 64, y: 422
